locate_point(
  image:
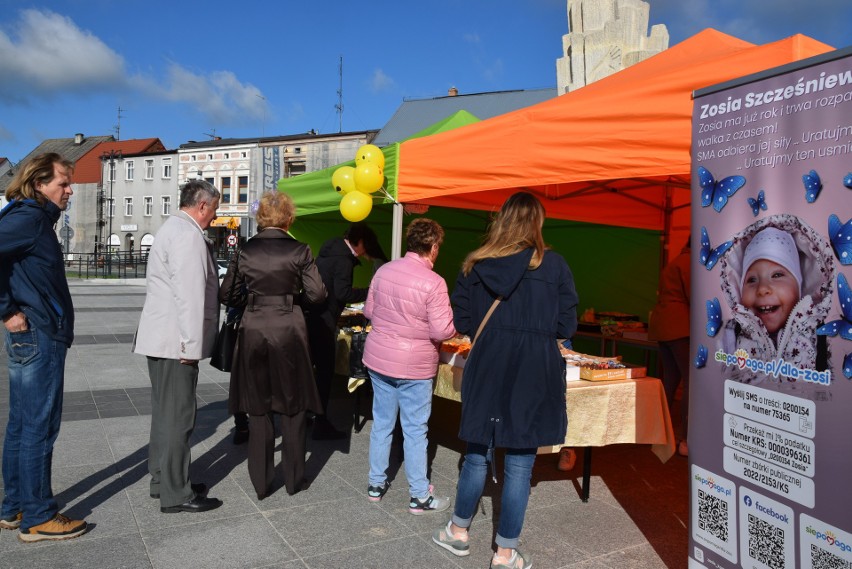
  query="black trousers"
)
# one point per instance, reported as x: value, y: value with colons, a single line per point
x: 323, y: 342
x: 261, y: 447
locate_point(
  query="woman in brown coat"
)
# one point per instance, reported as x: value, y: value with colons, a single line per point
x: 272, y: 371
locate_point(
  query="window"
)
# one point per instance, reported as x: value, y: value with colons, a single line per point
x: 128, y: 170
x: 242, y: 187
x: 226, y: 189
x: 243, y: 154
x: 149, y: 169
x: 128, y: 206
x: 210, y: 157
x: 297, y: 150
x: 111, y: 205
x: 167, y: 167
x: 166, y: 202
x: 149, y: 205
x: 111, y: 177
x: 211, y: 181
x: 294, y: 169
x: 227, y: 156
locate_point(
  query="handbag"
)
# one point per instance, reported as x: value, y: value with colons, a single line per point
x: 223, y: 349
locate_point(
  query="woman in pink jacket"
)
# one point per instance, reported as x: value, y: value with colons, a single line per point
x: 410, y: 312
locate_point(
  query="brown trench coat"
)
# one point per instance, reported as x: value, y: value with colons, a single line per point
x: 272, y: 366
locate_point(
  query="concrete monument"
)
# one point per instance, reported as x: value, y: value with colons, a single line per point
x: 605, y: 36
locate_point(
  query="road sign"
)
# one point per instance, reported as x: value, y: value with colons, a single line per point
x: 66, y: 232
x: 232, y: 240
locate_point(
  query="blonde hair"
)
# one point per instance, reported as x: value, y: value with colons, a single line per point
x: 276, y: 209
x: 517, y: 226
x: 38, y: 170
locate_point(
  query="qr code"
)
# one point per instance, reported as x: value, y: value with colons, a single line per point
x: 765, y: 542
x: 822, y: 559
x: 713, y: 515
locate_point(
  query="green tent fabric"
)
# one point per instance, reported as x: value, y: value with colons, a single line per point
x: 313, y: 192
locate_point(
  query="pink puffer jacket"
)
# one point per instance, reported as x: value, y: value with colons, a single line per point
x: 410, y: 312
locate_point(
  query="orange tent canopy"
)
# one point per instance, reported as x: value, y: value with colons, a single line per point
x: 616, y: 152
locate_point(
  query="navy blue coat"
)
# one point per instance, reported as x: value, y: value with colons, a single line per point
x: 513, y: 387
x: 32, y: 273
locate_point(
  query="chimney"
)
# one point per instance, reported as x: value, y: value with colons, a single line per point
x: 452, y: 92
x: 78, y: 138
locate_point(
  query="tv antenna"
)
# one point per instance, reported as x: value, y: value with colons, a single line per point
x: 117, y: 127
x: 211, y: 134
x: 339, y: 106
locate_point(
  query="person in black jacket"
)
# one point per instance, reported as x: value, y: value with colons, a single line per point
x: 513, y: 387
x: 336, y: 262
x: 38, y: 316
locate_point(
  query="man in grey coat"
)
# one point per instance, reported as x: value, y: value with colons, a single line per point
x: 177, y: 329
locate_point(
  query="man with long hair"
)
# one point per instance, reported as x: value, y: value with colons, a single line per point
x: 38, y: 315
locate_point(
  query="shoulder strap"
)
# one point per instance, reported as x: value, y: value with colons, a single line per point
x: 484, y: 320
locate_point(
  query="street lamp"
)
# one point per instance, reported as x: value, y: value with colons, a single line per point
x: 112, y: 155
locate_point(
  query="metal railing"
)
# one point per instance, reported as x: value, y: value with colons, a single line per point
x: 107, y: 265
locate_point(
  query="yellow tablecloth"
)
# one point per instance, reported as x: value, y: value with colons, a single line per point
x: 599, y: 412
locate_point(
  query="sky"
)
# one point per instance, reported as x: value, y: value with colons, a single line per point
x: 192, y: 70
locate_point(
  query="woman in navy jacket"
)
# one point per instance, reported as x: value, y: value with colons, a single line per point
x: 513, y: 388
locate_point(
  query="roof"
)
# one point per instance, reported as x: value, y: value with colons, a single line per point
x: 416, y: 114
x: 216, y: 142
x: 65, y: 147
x: 88, y: 168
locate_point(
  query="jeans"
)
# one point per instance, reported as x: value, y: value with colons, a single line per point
x: 517, y: 471
x: 412, y: 399
x: 36, y: 381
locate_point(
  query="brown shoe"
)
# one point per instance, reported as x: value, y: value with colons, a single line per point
x: 59, y: 527
x: 567, y: 459
x: 11, y: 522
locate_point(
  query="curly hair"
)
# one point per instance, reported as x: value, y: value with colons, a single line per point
x: 422, y: 233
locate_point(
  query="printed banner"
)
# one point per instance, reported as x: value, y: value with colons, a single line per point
x: 771, y: 320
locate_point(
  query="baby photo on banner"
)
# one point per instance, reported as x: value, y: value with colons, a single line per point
x: 771, y: 384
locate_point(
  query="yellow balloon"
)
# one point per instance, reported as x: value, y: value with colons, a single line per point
x: 370, y: 153
x: 368, y: 177
x: 343, y: 180
x: 355, y: 206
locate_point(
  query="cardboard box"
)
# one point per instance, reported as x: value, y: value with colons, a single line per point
x: 630, y: 372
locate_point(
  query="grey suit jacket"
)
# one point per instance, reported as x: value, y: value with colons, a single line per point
x: 181, y: 312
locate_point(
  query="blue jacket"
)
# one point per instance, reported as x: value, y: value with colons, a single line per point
x: 32, y: 274
x: 513, y: 387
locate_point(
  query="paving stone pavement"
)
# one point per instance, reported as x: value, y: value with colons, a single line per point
x: 636, y: 517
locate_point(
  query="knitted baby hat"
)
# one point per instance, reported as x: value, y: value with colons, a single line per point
x: 777, y: 246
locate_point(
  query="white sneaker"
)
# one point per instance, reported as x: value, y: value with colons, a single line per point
x: 430, y: 504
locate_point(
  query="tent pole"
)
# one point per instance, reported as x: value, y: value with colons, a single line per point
x: 396, y: 233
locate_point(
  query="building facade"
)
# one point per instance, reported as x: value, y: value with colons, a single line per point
x: 137, y: 194
x: 242, y: 169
